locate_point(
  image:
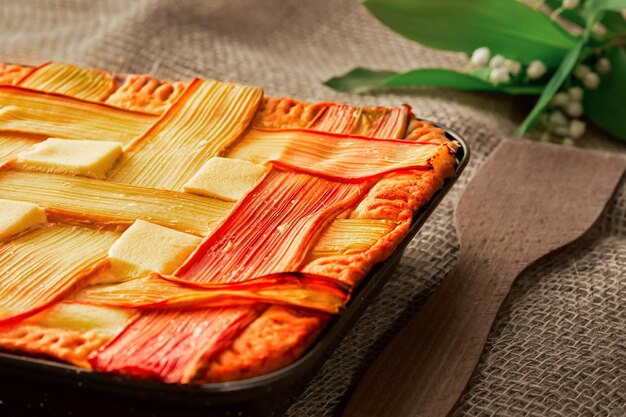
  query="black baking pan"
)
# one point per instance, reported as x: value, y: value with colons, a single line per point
x: 265, y: 387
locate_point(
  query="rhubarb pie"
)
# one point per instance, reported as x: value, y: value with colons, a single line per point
x: 193, y: 231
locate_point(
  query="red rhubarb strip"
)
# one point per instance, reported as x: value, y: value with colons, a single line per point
x: 271, y: 230
x: 376, y: 122
x: 171, y: 345
x: 332, y: 156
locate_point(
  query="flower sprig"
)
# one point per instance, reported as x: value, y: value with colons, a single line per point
x: 569, y: 53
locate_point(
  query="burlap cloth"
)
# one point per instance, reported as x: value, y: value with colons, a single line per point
x: 558, y: 347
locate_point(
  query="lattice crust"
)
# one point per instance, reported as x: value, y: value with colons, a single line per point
x: 280, y: 334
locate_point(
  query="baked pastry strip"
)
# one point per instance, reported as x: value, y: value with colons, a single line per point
x: 40, y: 267
x: 373, y: 122
x: 70, y: 80
x: 11, y: 144
x: 207, y: 118
x: 340, y: 157
x: 168, y: 292
x: 54, y: 115
x: 106, y: 204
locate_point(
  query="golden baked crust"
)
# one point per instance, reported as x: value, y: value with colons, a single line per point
x: 63, y: 344
x: 146, y: 93
x: 280, y: 334
x: 11, y: 74
x: 286, y: 113
x: 275, y: 339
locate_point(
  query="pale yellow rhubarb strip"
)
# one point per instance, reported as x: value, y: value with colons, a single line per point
x: 70, y: 80
x: 87, y: 200
x: 11, y: 145
x: 207, y: 118
x: 52, y: 115
x: 350, y: 236
x: 338, y: 157
x: 40, y: 267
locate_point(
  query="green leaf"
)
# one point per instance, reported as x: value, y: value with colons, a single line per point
x: 360, y: 79
x: 606, y: 106
x: 572, y: 14
x: 592, y: 7
x: 507, y: 27
x: 561, y: 74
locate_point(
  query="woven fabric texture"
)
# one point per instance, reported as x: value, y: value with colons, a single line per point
x: 558, y: 347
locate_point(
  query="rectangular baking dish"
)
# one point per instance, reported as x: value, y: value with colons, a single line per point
x: 261, y: 388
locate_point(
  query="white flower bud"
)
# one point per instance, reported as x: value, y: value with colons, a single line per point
x: 480, y: 57
x: 591, y: 81
x: 568, y: 142
x: 581, y: 71
x: 560, y: 99
x: 558, y: 119
x: 576, y: 128
x: 513, y: 66
x: 536, y: 70
x: 574, y: 109
x: 603, y: 66
x: 498, y: 61
x: 576, y: 93
x: 570, y: 4
x: 499, y: 75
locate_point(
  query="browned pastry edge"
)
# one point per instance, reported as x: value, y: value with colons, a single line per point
x: 286, y: 113
x: 146, y: 93
x: 275, y: 339
x: 11, y: 74
x: 64, y: 344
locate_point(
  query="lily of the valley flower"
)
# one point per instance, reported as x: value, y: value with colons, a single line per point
x: 536, y: 70
x: 499, y: 75
x: 500, y: 68
x: 480, y: 57
x: 603, y: 66
x: 576, y: 93
x: 512, y: 66
x: 591, y: 80
x: 498, y: 61
x: 576, y: 128
x: 574, y: 109
x: 570, y: 4
x: 581, y: 70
